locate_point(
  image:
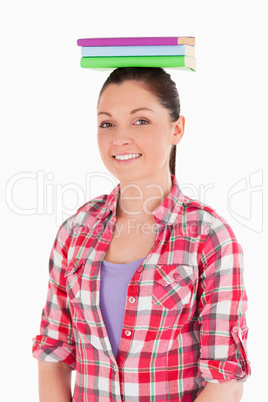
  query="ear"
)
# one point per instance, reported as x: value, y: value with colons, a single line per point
x: 178, y: 130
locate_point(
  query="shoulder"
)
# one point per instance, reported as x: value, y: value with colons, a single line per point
x: 218, y: 246
x: 91, y: 210
x: 86, y: 215
x: 207, y: 219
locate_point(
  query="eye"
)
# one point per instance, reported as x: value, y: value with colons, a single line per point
x: 141, y: 122
x: 105, y: 125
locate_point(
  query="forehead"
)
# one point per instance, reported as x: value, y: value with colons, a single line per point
x: 128, y: 93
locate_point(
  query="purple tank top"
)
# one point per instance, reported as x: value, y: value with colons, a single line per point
x: 113, y: 290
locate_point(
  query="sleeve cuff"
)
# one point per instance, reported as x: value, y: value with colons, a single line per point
x: 52, y: 350
x: 220, y: 371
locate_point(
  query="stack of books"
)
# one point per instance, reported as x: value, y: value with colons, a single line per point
x: 165, y: 52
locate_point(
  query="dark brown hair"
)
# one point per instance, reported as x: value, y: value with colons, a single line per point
x: 160, y: 84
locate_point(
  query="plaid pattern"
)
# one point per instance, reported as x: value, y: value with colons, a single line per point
x: 187, y: 325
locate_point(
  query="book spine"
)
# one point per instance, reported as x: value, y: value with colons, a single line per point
x: 142, y: 41
x: 98, y: 51
x: 139, y: 61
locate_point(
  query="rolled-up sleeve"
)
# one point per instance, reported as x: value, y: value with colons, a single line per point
x: 55, y: 341
x: 222, y: 306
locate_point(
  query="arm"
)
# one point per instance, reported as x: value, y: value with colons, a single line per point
x: 222, y: 305
x: 54, y: 382
x: 54, y: 347
x: 229, y: 391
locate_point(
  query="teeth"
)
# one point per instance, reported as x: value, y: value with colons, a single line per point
x: 126, y: 157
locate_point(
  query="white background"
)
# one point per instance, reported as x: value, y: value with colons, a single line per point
x: 50, y: 154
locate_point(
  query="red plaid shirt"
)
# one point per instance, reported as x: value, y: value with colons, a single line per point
x: 184, y: 322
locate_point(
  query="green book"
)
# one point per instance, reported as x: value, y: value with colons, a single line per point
x: 181, y: 62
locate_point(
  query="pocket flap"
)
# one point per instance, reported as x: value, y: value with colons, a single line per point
x: 74, y: 266
x: 167, y: 274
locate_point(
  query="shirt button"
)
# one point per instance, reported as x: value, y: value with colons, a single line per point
x: 132, y: 299
x: 235, y: 329
x: 127, y: 332
x: 139, y: 269
x: 176, y: 277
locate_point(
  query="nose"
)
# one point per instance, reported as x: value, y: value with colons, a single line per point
x: 121, y: 136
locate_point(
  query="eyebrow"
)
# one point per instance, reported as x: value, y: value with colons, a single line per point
x: 132, y: 111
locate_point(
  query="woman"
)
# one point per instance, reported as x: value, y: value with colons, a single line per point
x: 146, y: 297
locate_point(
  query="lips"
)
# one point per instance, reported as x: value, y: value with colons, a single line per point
x: 127, y: 156
x: 126, y: 160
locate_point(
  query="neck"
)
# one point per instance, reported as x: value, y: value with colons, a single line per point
x: 139, y: 198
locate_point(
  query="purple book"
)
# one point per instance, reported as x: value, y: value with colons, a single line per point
x: 138, y: 41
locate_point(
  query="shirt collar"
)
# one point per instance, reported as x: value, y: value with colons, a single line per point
x: 166, y: 212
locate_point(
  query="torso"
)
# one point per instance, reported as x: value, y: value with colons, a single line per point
x: 130, y: 241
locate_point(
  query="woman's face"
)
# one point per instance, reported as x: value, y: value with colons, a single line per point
x: 131, y: 121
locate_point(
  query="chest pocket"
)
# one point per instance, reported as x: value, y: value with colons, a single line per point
x: 173, y: 285
x: 83, y: 303
x: 73, y: 278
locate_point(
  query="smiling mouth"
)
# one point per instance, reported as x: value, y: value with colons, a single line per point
x: 126, y: 157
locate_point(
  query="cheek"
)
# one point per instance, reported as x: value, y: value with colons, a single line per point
x: 98, y: 140
x: 102, y: 143
x: 158, y: 142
